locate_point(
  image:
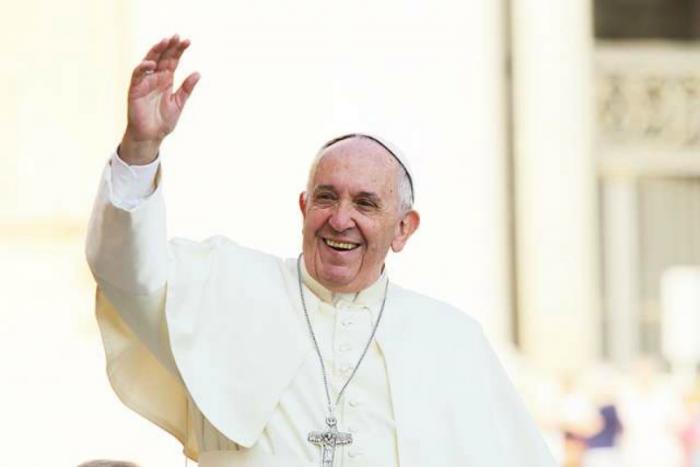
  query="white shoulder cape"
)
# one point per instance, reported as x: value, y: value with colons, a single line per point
x: 222, y: 322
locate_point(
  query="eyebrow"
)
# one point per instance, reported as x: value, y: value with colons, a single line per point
x: 324, y: 187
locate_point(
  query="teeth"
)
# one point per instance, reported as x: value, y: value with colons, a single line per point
x: 342, y: 245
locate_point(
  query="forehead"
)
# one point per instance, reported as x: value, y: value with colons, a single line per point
x: 357, y: 158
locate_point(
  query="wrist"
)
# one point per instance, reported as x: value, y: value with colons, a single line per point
x: 138, y: 152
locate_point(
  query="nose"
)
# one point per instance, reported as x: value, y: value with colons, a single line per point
x: 341, y: 219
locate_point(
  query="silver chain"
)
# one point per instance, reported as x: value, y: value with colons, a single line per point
x: 331, y: 407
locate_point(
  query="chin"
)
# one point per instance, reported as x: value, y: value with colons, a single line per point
x: 336, y: 281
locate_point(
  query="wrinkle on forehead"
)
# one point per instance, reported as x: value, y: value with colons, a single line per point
x: 351, y: 147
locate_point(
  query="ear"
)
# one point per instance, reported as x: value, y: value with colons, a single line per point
x: 302, y: 203
x: 407, y: 225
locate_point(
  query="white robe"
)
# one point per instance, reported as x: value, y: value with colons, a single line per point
x: 198, y: 320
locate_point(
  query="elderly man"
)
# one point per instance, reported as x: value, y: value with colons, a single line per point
x: 251, y: 360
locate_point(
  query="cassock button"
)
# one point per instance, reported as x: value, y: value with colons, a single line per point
x: 347, y: 323
x: 354, y: 402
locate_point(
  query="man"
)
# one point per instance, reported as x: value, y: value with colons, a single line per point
x: 250, y: 360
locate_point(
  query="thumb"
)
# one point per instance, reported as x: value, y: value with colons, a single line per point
x: 185, y: 89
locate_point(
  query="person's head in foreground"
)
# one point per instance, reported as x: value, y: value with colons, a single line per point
x: 107, y: 463
x: 358, y: 204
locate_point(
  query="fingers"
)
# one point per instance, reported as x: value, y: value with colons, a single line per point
x: 170, y: 56
x: 160, y: 62
x: 157, y: 50
x: 183, y: 93
x: 142, y: 69
x: 167, y: 52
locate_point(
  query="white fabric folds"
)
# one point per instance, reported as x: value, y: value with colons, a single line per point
x: 222, y: 324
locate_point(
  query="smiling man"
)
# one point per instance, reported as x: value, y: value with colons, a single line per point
x: 357, y: 205
x: 255, y: 361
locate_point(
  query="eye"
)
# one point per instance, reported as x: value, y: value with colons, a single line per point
x: 324, y: 197
x: 366, y: 203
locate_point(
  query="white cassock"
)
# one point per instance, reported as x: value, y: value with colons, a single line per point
x: 208, y: 340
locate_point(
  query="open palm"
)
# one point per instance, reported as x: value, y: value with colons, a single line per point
x: 153, y: 107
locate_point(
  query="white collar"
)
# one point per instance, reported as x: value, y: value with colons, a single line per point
x: 369, y: 296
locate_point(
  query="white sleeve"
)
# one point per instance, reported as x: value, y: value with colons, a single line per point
x: 132, y: 184
x: 128, y: 254
x: 127, y: 251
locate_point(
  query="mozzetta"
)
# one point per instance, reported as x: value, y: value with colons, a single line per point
x: 208, y: 340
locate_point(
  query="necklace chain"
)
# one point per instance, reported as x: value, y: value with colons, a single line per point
x: 331, y: 406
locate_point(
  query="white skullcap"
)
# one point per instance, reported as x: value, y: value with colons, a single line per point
x: 399, y: 155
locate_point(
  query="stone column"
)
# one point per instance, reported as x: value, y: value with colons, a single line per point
x: 621, y: 267
x: 555, y: 184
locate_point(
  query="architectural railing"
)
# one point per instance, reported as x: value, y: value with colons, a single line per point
x: 648, y: 94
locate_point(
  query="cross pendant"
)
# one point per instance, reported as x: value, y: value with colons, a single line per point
x: 328, y: 440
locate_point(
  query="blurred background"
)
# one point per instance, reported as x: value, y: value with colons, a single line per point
x: 555, y: 146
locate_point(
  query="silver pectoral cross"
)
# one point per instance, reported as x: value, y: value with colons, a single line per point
x: 328, y: 440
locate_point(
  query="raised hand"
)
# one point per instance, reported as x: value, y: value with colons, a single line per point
x: 153, y: 107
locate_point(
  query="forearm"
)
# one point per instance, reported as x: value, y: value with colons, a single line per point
x: 127, y: 247
x: 127, y: 252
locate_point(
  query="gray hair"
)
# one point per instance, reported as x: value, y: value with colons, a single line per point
x: 404, y: 188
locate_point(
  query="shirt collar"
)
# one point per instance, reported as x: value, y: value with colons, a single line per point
x: 366, y: 297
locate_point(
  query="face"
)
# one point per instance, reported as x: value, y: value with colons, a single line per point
x: 351, y: 215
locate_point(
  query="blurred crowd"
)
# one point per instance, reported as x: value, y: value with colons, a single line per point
x: 644, y: 417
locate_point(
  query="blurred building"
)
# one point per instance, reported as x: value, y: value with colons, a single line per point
x: 647, y: 83
x: 605, y: 132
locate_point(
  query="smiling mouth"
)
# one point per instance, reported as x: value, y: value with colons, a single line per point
x: 340, y: 246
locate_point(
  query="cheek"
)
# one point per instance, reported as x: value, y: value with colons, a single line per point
x: 313, y: 221
x: 377, y: 237
x: 387, y: 235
